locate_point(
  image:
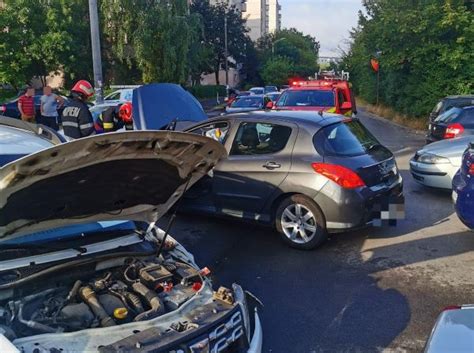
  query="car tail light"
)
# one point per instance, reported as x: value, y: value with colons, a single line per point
x: 453, y: 130
x: 3, y: 108
x: 452, y: 307
x: 343, y: 176
x: 471, y: 169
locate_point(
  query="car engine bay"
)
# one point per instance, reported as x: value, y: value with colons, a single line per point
x: 115, y: 292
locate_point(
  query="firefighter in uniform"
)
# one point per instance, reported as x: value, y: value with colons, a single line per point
x: 115, y: 118
x: 76, y: 118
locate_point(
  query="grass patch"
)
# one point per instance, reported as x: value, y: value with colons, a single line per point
x: 392, y: 115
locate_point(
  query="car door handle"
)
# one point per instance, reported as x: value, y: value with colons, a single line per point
x: 271, y: 165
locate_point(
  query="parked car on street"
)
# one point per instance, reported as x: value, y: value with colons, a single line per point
x: 450, y: 102
x: 436, y: 164
x: 273, y: 96
x: 80, y: 272
x: 19, y: 138
x: 463, y: 188
x: 119, y: 96
x: 270, y: 89
x: 248, y: 103
x: 257, y: 90
x: 301, y: 172
x: 453, y: 331
x: 455, y: 122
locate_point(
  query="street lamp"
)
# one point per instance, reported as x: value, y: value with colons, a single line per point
x: 275, y: 42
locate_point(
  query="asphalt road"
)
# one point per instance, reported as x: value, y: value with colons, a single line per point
x: 374, y: 290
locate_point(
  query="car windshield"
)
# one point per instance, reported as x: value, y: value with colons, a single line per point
x: 349, y: 138
x: 306, y: 98
x: 248, y: 102
x: 269, y: 89
x: 257, y: 90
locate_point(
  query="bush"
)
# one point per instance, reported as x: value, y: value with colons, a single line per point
x: 207, y: 91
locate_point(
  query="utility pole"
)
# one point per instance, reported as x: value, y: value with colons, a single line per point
x: 96, y: 56
x: 226, y: 54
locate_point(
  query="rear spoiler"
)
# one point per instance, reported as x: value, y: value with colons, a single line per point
x: 37, y: 129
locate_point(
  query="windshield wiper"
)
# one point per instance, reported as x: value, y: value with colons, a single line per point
x: 3, y: 247
x: 373, y: 146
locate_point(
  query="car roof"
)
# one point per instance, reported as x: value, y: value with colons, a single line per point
x: 467, y: 96
x: 17, y: 141
x: 299, y: 117
x: 310, y: 88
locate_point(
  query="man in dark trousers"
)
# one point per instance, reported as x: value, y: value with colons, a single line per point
x: 76, y: 117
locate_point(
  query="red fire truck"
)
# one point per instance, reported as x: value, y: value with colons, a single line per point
x: 332, y: 95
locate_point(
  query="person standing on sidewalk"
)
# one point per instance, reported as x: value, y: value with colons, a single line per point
x: 76, y: 117
x: 50, y: 103
x: 26, y: 105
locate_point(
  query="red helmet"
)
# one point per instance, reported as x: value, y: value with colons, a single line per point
x: 84, y: 87
x: 125, y: 113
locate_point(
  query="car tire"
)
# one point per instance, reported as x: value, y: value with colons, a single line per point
x: 300, y: 222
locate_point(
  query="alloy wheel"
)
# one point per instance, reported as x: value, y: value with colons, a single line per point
x: 298, y: 223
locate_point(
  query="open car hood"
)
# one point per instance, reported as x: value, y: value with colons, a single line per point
x: 134, y: 175
x: 158, y: 105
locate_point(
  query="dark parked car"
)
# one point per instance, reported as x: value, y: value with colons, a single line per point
x: 247, y: 103
x: 449, y: 102
x: 455, y: 122
x: 463, y: 188
x: 10, y: 109
x: 304, y: 173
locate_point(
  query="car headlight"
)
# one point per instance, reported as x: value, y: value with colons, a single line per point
x: 432, y: 159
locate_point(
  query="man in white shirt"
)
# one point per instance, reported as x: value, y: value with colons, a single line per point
x: 50, y: 103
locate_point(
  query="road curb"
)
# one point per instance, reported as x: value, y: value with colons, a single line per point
x: 374, y: 116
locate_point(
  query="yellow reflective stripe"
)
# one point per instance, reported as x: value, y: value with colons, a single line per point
x: 331, y: 110
x: 108, y: 125
x: 348, y: 113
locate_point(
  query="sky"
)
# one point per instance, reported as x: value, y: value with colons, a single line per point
x: 329, y: 21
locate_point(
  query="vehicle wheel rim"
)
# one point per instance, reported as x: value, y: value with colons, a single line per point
x: 298, y: 223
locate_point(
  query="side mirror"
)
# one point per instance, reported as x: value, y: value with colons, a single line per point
x: 346, y: 105
x: 269, y: 105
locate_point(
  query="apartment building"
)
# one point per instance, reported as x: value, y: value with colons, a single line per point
x: 239, y: 4
x: 263, y: 17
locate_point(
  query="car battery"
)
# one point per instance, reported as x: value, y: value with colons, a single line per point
x: 177, y: 296
x: 154, y: 274
x: 186, y: 274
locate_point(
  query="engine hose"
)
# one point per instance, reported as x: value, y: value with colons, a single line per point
x: 135, y: 301
x: 157, y: 307
x: 89, y: 297
x: 73, y: 292
x: 33, y: 324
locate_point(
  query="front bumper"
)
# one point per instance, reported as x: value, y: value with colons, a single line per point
x: 433, y: 175
x: 257, y: 338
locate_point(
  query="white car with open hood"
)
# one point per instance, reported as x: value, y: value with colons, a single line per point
x: 84, y: 268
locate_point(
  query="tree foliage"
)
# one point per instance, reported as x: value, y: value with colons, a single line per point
x: 42, y: 36
x: 151, y: 36
x: 299, y: 50
x: 425, y: 50
x: 277, y: 71
x: 212, y: 37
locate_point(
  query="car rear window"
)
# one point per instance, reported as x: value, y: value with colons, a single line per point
x: 467, y: 118
x: 449, y: 116
x: 306, y: 98
x: 248, y: 102
x: 349, y: 138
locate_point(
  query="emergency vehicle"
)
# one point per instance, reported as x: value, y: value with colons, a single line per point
x: 332, y: 95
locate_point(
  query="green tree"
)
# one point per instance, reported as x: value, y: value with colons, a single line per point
x: 151, y: 36
x: 41, y: 36
x: 277, y: 71
x: 300, y: 50
x: 424, y: 55
x: 212, y: 19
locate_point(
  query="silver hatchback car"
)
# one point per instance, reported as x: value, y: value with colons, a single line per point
x: 304, y: 173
